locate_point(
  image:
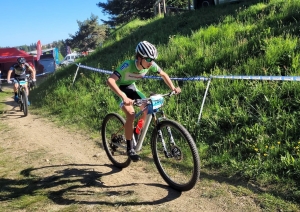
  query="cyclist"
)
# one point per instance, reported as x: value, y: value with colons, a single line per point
x: 122, y: 82
x: 20, y: 69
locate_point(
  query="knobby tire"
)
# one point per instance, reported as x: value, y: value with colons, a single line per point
x: 180, y: 172
x: 24, y: 102
x: 113, y: 129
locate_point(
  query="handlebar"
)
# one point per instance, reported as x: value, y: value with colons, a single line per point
x: 28, y: 76
x: 140, y: 102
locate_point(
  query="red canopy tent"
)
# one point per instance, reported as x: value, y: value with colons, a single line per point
x: 9, y: 56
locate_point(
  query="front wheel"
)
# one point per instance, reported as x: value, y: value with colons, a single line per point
x: 113, y: 139
x: 175, y: 155
x: 24, y: 103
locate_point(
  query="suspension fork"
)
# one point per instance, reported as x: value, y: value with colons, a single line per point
x: 160, y: 135
x: 21, y: 90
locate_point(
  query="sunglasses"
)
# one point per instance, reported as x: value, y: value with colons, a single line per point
x: 149, y: 60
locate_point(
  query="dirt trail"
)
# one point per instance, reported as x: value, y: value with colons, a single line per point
x: 73, y: 168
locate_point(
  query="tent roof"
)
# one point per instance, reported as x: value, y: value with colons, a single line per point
x: 11, y: 55
x: 43, y: 51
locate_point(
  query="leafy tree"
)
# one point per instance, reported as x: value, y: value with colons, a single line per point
x: 121, y: 11
x: 89, y: 36
x: 24, y: 48
x: 179, y: 3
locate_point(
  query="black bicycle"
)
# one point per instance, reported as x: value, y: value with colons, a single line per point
x: 22, y: 96
x: 174, y: 151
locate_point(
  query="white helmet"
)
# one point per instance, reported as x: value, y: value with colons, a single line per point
x: 146, y: 50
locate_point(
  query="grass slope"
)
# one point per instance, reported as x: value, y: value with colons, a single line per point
x: 248, y: 128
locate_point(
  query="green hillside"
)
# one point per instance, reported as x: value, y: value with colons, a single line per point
x: 249, y: 128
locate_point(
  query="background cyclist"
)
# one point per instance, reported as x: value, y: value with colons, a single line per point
x: 122, y: 82
x: 20, y: 69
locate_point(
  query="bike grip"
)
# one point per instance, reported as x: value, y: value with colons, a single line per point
x: 137, y: 102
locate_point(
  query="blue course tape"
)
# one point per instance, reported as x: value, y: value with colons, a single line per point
x: 95, y: 69
x: 197, y: 78
x: 200, y: 78
x: 271, y: 78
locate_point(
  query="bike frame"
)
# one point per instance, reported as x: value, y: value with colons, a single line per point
x: 21, y: 86
x: 138, y: 144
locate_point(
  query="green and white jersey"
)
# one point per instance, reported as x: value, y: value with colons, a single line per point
x: 128, y: 73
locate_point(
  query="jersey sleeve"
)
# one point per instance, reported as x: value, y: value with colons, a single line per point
x: 155, y: 68
x: 30, y: 65
x: 13, y: 67
x: 122, y: 68
x: 27, y: 66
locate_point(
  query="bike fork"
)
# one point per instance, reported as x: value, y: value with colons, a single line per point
x: 167, y: 154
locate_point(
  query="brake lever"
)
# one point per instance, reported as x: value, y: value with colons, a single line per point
x: 138, y: 102
x: 172, y: 93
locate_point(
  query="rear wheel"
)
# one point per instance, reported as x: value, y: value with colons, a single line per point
x: 113, y: 139
x: 178, y: 163
x: 207, y: 3
x: 203, y: 3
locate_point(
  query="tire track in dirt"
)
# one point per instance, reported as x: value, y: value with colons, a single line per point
x: 75, y: 170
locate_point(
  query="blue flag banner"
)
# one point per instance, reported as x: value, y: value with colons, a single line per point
x: 56, y: 55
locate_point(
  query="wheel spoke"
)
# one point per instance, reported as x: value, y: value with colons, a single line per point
x: 114, y: 141
x: 179, y: 163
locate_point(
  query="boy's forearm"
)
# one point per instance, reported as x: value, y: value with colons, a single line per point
x: 114, y: 87
x: 33, y: 73
x: 168, y: 81
x: 8, y: 75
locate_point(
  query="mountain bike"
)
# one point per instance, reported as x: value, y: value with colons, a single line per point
x: 173, y: 149
x: 22, y: 96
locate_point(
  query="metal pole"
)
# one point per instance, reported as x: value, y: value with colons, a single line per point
x: 159, y: 12
x: 164, y: 5
x: 202, y: 105
x: 76, y: 74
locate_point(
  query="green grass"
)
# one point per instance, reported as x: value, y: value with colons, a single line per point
x: 3, y: 96
x: 248, y: 128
